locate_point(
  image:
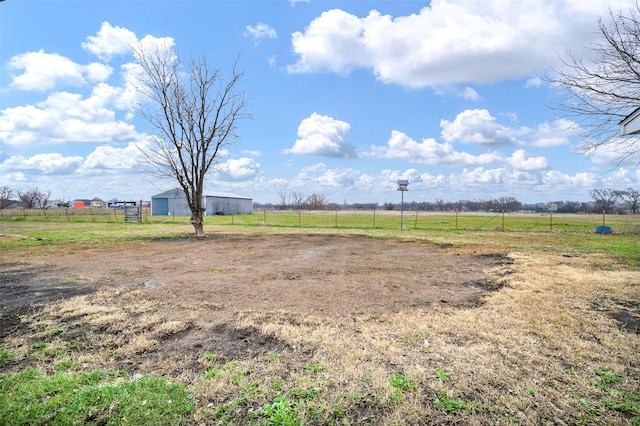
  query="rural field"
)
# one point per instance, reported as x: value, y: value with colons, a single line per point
x: 116, y: 323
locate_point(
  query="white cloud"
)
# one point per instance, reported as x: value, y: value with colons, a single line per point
x: 63, y: 117
x: 520, y: 161
x: 401, y: 146
x: 48, y: 164
x: 533, y: 82
x: 323, y: 135
x: 240, y: 169
x: 555, y: 133
x: 259, y: 32
x: 44, y: 71
x: 448, y: 42
x: 624, y: 151
x: 558, y: 181
x: 479, y: 127
x: 470, y: 94
x: 339, y: 177
x: 112, y: 158
x: 110, y: 41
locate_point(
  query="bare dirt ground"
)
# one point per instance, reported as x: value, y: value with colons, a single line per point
x: 207, y: 281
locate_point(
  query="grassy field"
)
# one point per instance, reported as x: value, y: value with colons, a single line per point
x: 548, y: 347
x: 372, y: 219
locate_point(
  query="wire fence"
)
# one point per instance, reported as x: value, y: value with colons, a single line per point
x: 374, y: 219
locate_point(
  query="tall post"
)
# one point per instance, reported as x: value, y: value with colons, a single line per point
x: 403, y: 185
x: 401, y: 207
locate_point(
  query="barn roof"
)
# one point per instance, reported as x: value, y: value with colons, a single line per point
x: 630, y: 125
x: 217, y: 194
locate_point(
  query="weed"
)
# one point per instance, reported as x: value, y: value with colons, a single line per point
x: 396, y: 398
x: 449, y: 404
x: 607, y: 376
x: 530, y: 391
x: 231, y: 365
x: 277, y: 384
x: 212, y: 373
x: 402, y: 382
x: 281, y: 412
x: 236, y: 377
x: 586, y: 404
x: 6, y: 357
x: 443, y: 375
x: 209, y: 356
x: 274, y: 356
x: 53, y: 331
x: 314, y: 368
x: 252, y: 390
x: 308, y: 394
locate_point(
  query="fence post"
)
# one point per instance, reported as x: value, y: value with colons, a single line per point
x: 264, y: 214
x: 415, y: 222
x: 456, y: 219
x: 550, y: 220
x: 374, y: 218
x: 299, y: 217
x: 502, y: 220
x: 115, y: 214
x: 603, y: 214
x: 336, y: 218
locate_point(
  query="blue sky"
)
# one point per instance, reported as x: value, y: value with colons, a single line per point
x: 347, y: 97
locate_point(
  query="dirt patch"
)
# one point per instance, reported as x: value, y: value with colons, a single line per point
x: 207, y: 281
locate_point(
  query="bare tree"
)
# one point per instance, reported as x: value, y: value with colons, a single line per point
x: 30, y: 198
x: 296, y: 199
x: 604, y: 199
x: 43, y: 199
x: 195, y: 112
x: 5, y: 195
x: 282, y: 203
x: 510, y: 204
x: 598, y: 93
x: 316, y: 201
x: 631, y: 198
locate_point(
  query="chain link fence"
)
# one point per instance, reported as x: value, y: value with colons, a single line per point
x: 374, y: 219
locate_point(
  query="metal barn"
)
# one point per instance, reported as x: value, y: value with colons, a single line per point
x: 174, y: 202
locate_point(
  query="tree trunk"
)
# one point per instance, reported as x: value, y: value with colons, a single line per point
x: 197, y: 222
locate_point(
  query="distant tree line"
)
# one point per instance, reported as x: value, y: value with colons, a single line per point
x: 32, y: 198
x: 605, y: 200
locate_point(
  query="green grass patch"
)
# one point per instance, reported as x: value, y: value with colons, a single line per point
x: 6, y: 357
x: 450, y: 404
x: 402, y: 382
x: 97, y: 397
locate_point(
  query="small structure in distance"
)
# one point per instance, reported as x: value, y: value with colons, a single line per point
x: 174, y: 202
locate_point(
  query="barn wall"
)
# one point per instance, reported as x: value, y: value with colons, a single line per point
x: 228, y: 206
x: 176, y: 203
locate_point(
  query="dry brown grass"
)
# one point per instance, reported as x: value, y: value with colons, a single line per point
x: 529, y: 355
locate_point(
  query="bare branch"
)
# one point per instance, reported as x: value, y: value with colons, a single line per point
x: 195, y: 113
x: 598, y: 93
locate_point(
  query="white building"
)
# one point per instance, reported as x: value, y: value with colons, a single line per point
x: 174, y: 202
x: 630, y: 125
